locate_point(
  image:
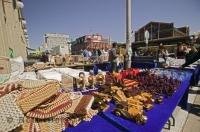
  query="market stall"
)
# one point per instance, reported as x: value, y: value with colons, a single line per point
x: 157, y: 116
x: 130, y: 100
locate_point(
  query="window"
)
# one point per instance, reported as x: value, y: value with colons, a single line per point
x: 4, y: 10
x: 14, y: 4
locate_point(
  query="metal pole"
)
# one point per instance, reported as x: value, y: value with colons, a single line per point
x: 128, y: 33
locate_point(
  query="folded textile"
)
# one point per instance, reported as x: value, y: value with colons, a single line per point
x: 37, y: 96
x: 7, y: 88
x: 11, y: 116
x: 51, y: 125
x: 49, y: 74
x: 53, y: 108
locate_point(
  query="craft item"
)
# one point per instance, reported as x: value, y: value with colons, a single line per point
x: 7, y: 88
x: 91, y: 113
x: 109, y: 79
x: 78, y: 107
x: 74, y: 121
x: 100, y: 104
x: 84, y: 105
x: 51, y: 109
x: 11, y: 116
x: 81, y: 81
x: 29, y: 125
x: 28, y: 84
x: 137, y: 115
x: 52, y: 126
x: 100, y: 79
x: 91, y: 80
x: 38, y: 96
x: 120, y: 96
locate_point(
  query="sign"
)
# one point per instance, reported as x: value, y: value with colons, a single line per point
x: 146, y: 36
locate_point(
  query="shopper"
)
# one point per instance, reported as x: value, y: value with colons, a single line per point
x: 86, y: 53
x: 113, y: 57
x: 180, y: 53
x: 162, y: 53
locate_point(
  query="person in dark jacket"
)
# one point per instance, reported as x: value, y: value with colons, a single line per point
x: 191, y: 56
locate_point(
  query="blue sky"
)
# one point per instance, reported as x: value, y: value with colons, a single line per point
x: 107, y: 17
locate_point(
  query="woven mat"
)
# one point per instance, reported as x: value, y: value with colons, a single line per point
x: 28, y: 84
x: 7, y: 88
x: 11, y: 116
x: 50, y: 109
x: 37, y: 96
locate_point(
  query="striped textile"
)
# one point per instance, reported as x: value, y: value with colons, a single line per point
x: 50, y: 109
x: 7, y: 88
x: 37, y: 96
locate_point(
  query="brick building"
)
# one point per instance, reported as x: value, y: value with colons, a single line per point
x: 92, y: 41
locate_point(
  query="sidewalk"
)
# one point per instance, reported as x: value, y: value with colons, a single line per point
x: 193, y: 120
x: 187, y: 121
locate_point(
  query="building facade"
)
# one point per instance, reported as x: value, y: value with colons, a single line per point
x: 13, y: 32
x: 94, y: 41
x: 60, y: 50
x: 52, y: 40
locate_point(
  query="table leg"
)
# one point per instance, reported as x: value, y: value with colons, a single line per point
x: 184, y: 101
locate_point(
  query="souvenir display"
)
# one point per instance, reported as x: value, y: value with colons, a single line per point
x: 43, y: 105
x: 11, y: 116
x: 7, y: 88
x: 38, y: 96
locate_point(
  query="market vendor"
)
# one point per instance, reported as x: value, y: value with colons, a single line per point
x: 192, y: 55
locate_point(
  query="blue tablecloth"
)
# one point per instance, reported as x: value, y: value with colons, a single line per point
x: 157, y: 117
x: 195, y: 70
x: 97, y: 124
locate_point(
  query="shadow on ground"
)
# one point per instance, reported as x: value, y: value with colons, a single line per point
x: 194, y: 91
x: 194, y: 109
